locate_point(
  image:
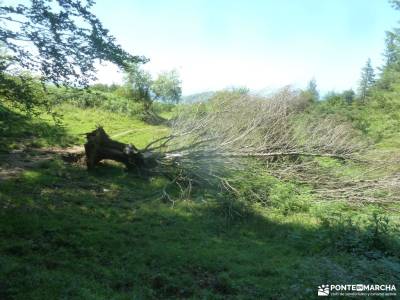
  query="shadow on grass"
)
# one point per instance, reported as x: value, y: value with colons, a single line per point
x: 18, y: 130
x: 65, y: 233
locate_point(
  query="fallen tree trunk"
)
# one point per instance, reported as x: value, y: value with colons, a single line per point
x: 100, y: 146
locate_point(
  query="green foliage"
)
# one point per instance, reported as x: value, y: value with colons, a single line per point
x: 19, y: 130
x: 62, y: 39
x: 122, y: 105
x: 349, y: 96
x: 373, y: 236
x: 105, y: 100
x: 391, y: 53
x: 290, y: 198
x: 312, y: 90
x: 69, y: 234
x: 258, y: 187
x: 79, y: 121
x: 379, y: 117
x: 24, y: 92
x: 138, y: 84
x: 367, y: 80
x: 82, y: 98
x: 238, y: 90
x: 140, y: 87
x: 114, y: 99
x: 167, y: 87
x: 230, y: 94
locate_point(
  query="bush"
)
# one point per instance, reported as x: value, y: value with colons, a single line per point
x: 123, y: 106
x: 289, y: 198
x: 77, y: 97
x: 258, y: 187
x: 23, y: 92
x: 159, y: 107
x: 108, y: 99
x: 373, y: 236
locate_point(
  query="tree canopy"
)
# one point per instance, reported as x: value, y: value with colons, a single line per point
x: 312, y: 89
x: 167, y: 87
x: 60, y: 40
x: 367, y: 79
x: 138, y: 84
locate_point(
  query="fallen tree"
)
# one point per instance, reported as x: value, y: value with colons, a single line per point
x: 100, y: 146
x: 210, y: 142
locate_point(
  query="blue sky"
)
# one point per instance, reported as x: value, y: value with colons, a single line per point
x: 261, y: 44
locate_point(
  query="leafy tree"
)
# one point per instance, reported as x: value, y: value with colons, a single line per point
x: 333, y: 99
x: 239, y: 90
x: 308, y: 96
x: 348, y: 96
x: 392, y: 51
x: 312, y: 89
x: 395, y: 4
x: 342, y: 99
x: 24, y: 91
x: 58, y: 40
x: 138, y: 84
x: 391, y: 67
x: 167, y: 87
x: 367, y: 79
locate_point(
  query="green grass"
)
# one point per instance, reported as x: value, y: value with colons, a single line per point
x: 17, y: 130
x: 69, y: 234
x: 105, y: 235
x: 43, y: 132
x: 79, y: 121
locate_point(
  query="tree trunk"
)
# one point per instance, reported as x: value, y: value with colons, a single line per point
x: 99, y: 146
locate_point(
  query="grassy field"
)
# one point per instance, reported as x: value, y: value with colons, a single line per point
x: 69, y: 234
x: 75, y: 122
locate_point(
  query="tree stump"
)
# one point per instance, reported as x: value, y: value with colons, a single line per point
x: 100, y: 146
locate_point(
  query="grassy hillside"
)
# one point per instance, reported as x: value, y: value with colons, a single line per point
x: 19, y: 130
x: 66, y: 233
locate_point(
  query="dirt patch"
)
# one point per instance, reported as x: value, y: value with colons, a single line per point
x: 14, y: 163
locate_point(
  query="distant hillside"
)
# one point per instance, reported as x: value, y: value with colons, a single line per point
x: 199, y: 97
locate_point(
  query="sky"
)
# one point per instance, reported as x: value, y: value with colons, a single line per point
x: 260, y: 44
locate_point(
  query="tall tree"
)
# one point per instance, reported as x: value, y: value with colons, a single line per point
x: 138, y: 83
x: 312, y: 89
x: 167, y: 87
x: 367, y: 79
x: 395, y: 4
x: 58, y: 40
x: 391, y: 67
x: 348, y: 96
x: 391, y: 52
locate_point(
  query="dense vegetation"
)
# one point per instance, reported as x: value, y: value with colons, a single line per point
x: 315, y: 203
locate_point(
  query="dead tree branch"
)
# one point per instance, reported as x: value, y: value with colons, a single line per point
x: 210, y: 142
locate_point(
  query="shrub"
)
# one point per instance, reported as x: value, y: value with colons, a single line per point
x: 371, y: 236
x: 258, y: 187
x: 108, y: 99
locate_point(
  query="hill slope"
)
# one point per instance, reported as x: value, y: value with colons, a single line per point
x: 109, y: 234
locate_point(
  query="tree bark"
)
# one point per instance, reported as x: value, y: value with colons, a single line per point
x: 100, y: 146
